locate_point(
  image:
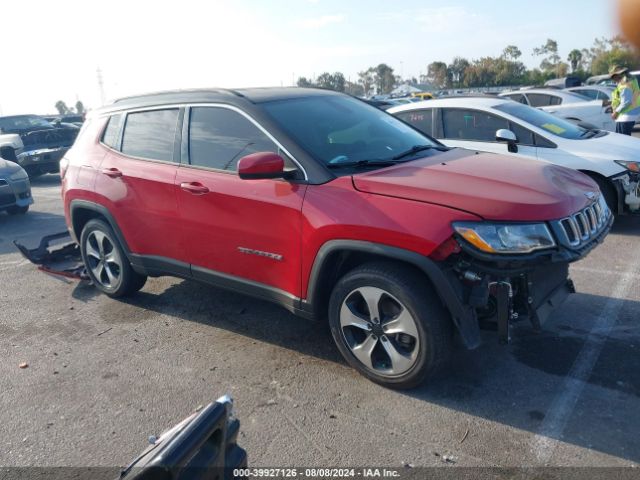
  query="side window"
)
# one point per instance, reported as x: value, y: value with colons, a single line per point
x: 150, y: 134
x: 543, y: 142
x: 555, y: 100
x: 593, y: 94
x: 539, y: 99
x: 518, y: 97
x: 421, y: 119
x: 219, y: 137
x: 524, y: 136
x: 462, y: 124
x: 110, y: 135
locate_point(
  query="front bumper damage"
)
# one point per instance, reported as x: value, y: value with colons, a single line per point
x: 628, y: 189
x: 41, y: 161
x: 56, y: 254
x: 503, y: 290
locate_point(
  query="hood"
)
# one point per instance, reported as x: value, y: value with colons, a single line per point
x: 491, y: 186
x: 8, y: 168
x: 613, y: 146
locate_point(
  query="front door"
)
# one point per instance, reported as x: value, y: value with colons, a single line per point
x: 238, y: 230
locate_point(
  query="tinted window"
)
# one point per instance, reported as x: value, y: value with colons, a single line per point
x: 518, y: 97
x: 592, y: 94
x: 549, y: 123
x: 150, y: 134
x: 337, y: 128
x: 539, y: 99
x: 110, y: 135
x: 421, y: 119
x: 462, y: 124
x: 555, y: 100
x: 524, y: 136
x: 219, y: 137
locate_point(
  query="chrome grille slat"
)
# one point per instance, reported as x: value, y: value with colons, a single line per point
x: 582, y: 226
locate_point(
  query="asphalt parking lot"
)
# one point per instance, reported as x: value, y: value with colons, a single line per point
x: 105, y: 374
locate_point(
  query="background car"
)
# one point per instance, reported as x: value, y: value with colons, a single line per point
x: 15, y: 189
x: 571, y: 106
x: 611, y: 159
x: 34, y: 143
x: 594, y: 92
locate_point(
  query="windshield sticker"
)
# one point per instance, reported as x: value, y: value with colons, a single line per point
x: 552, y: 127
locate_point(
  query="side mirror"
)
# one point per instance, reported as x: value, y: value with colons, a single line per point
x: 262, y: 165
x: 507, y: 136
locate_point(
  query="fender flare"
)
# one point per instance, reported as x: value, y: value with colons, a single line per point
x: 463, y: 316
x: 76, y: 205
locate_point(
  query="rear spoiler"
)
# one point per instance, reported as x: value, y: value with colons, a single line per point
x: 56, y: 256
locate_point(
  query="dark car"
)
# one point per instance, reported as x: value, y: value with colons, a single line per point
x: 42, y: 144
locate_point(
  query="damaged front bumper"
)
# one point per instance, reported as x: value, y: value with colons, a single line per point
x: 504, y: 289
x: 41, y: 161
x: 628, y: 190
x: 56, y: 254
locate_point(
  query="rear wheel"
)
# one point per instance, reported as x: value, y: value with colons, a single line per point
x: 15, y: 210
x: 389, y: 325
x: 105, y: 261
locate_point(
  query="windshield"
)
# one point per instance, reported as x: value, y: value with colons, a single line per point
x: 22, y: 122
x: 547, y: 122
x: 343, y: 130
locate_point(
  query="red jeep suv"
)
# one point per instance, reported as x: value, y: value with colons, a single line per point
x: 332, y: 208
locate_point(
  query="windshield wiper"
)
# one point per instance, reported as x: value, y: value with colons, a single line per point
x: 362, y: 163
x: 416, y: 149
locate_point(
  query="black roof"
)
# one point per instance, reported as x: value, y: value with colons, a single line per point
x: 212, y: 95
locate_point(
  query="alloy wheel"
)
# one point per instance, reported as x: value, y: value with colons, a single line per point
x: 380, y: 331
x: 103, y: 259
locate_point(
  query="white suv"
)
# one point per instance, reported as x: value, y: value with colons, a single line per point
x: 502, y: 126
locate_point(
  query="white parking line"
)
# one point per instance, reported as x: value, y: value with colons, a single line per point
x: 556, y: 418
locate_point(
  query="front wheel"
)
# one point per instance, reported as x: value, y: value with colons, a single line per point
x: 105, y: 261
x: 389, y: 324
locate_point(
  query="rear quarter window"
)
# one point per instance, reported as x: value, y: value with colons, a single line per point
x: 112, y: 131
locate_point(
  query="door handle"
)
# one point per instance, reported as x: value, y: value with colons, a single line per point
x: 112, y: 172
x: 194, y: 188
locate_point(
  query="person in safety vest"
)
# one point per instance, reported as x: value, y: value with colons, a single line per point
x: 625, y: 99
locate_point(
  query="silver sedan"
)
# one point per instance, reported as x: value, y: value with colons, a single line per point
x: 15, y: 189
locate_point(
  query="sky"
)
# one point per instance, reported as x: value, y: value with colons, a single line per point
x: 54, y: 51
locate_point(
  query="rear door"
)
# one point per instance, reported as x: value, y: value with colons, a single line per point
x: 476, y: 130
x: 137, y: 179
x: 237, y: 230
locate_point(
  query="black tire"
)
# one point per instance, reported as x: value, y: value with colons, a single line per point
x: 15, y: 210
x: 125, y: 280
x: 609, y: 192
x: 403, y: 287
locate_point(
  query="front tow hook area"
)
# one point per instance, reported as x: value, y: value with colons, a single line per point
x: 56, y: 254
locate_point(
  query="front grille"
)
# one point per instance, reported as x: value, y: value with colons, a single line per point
x: 586, y: 224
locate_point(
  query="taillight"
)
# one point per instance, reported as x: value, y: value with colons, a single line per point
x: 64, y: 165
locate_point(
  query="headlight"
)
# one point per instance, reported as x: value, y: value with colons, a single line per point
x: 18, y: 175
x: 631, y: 166
x: 506, y: 238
